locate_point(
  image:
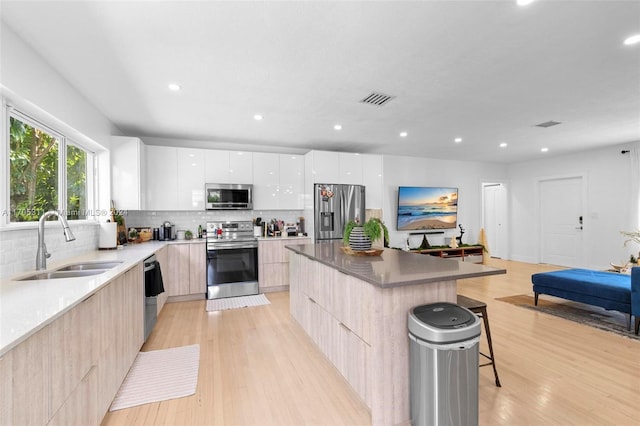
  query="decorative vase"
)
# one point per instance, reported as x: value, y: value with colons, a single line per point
x: 358, y: 241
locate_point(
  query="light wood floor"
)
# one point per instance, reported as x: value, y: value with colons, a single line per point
x: 257, y: 367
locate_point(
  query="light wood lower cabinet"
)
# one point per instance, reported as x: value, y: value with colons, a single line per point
x: 197, y: 268
x: 81, y: 408
x: 186, y: 269
x: 273, y: 262
x: 163, y: 259
x: 121, y: 330
x: 362, y: 330
x: 69, y: 372
x: 331, y: 311
x: 74, y: 349
x: 25, y: 375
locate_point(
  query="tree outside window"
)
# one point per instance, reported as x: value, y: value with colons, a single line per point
x: 36, y: 182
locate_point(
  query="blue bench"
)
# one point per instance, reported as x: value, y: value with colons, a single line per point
x: 608, y: 290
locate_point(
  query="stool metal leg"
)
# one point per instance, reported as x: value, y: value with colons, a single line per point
x: 485, y: 318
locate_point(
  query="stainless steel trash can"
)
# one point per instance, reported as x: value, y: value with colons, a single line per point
x: 443, y: 370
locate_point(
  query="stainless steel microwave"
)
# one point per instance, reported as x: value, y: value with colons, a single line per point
x: 227, y: 196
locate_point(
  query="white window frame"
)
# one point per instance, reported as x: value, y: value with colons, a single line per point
x: 64, y: 141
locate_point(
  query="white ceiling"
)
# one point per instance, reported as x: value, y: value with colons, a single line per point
x: 485, y: 71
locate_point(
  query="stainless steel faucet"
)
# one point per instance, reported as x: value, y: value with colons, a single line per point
x: 43, y: 255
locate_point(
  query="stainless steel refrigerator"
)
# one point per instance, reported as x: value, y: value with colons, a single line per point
x: 335, y: 205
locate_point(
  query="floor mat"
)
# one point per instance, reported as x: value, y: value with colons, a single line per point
x: 159, y: 376
x: 612, y: 321
x: 237, y: 302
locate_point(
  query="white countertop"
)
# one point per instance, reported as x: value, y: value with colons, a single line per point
x: 28, y: 306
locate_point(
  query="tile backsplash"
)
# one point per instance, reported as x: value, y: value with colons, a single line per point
x: 189, y: 220
x: 18, y: 247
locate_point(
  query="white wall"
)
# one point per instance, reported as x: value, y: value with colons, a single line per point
x: 607, y: 204
x: 29, y: 83
x: 467, y: 176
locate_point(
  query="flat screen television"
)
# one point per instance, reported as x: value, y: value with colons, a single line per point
x: 424, y: 208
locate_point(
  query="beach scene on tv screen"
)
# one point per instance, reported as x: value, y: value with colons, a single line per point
x: 427, y: 208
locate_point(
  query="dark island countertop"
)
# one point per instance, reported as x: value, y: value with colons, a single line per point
x: 393, y: 268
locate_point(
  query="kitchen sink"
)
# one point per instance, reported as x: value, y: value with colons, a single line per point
x: 52, y: 275
x: 91, y: 266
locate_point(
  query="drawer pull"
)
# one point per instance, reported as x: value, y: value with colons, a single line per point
x: 345, y: 327
x: 312, y: 301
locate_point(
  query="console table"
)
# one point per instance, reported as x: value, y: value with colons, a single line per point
x: 474, y: 253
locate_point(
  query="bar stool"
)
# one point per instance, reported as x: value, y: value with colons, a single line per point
x: 480, y: 309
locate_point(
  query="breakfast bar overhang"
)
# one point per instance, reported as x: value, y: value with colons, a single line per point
x: 355, y: 310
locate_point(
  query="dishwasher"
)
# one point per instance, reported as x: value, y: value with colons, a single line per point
x: 153, y: 285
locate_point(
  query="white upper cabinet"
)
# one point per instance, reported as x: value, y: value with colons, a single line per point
x: 351, y: 168
x: 228, y: 166
x: 191, y: 178
x: 162, y: 178
x: 372, y: 180
x: 266, y: 181
x: 291, y: 182
x: 240, y: 167
x: 325, y: 167
x: 128, y: 176
x: 278, y: 181
x: 348, y: 168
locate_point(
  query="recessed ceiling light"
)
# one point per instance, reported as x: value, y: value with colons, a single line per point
x: 503, y: 145
x: 257, y: 117
x: 544, y: 149
x: 524, y: 2
x: 337, y: 127
x: 632, y: 40
x: 457, y: 140
x: 174, y: 87
x: 404, y: 134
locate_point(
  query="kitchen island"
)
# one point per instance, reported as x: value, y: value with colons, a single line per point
x: 355, y: 309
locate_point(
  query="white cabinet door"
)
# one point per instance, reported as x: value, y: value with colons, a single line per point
x: 266, y: 181
x: 216, y: 166
x: 240, y: 167
x: 326, y: 167
x: 350, y: 168
x: 372, y: 180
x: 162, y: 178
x: 128, y: 173
x: 190, y: 179
x: 228, y: 166
x: 291, y: 182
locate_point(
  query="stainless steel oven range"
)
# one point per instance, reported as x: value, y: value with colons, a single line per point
x: 232, y: 259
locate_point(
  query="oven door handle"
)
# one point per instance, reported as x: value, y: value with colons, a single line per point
x: 231, y: 245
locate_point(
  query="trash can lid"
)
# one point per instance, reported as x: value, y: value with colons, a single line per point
x: 444, y: 315
x: 443, y: 322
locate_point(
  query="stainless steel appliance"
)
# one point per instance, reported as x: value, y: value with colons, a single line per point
x: 223, y: 196
x: 232, y: 259
x: 153, y: 286
x: 335, y: 205
x: 167, y: 231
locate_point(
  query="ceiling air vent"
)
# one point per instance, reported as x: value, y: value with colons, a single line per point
x: 548, y: 124
x: 377, y: 99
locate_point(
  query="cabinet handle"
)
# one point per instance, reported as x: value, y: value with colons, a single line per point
x: 312, y: 301
x: 88, y: 298
x: 345, y: 327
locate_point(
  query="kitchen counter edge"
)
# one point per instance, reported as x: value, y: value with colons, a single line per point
x: 384, y: 271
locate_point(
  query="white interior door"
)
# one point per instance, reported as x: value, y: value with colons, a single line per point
x: 561, y: 221
x: 494, y: 215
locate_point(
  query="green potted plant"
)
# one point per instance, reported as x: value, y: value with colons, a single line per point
x: 188, y: 235
x: 360, y: 237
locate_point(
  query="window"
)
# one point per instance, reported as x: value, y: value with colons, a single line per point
x: 47, y: 172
